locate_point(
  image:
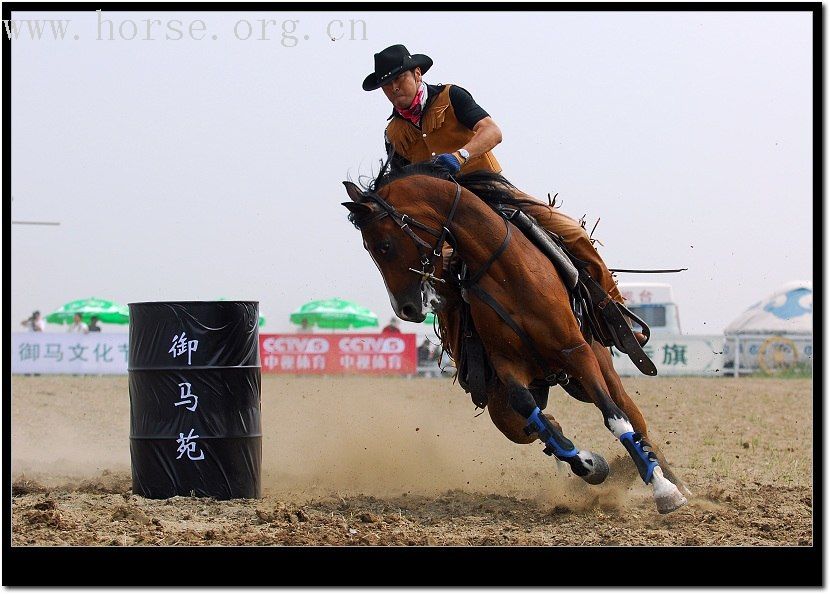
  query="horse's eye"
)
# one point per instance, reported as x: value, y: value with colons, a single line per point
x: 383, y: 246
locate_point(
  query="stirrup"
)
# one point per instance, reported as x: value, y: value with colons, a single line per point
x: 621, y: 333
x: 631, y: 317
x: 628, y: 342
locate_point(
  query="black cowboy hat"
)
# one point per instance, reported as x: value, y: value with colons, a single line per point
x: 391, y: 62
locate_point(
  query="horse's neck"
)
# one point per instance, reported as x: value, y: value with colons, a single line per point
x: 478, y: 230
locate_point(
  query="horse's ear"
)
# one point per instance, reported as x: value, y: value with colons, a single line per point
x: 357, y: 208
x: 354, y: 192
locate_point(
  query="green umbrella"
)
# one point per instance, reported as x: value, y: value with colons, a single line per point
x: 261, y: 318
x: 334, y: 313
x: 107, y: 312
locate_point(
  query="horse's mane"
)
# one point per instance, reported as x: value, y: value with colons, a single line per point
x: 492, y: 188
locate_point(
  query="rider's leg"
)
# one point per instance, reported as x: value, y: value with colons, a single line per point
x: 579, y: 243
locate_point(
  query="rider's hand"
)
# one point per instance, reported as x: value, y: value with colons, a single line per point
x: 448, y: 161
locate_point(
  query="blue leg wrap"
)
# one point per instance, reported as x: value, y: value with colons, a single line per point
x: 555, y: 443
x: 646, y: 461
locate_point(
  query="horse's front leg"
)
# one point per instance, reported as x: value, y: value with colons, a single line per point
x: 632, y: 411
x: 582, y: 364
x: 589, y: 466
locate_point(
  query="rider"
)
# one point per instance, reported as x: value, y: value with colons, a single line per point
x: 444, y: 123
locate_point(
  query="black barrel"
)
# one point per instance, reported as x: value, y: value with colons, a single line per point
x: 195, y: 415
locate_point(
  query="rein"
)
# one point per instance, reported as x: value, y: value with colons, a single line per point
x: 429, y: 253
x: 405, y: 222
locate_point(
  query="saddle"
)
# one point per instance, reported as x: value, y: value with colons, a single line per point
x: 599, y: 317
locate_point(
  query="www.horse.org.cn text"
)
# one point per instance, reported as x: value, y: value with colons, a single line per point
x: 110, y: 27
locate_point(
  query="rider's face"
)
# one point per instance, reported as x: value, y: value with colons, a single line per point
x: 401, y: 90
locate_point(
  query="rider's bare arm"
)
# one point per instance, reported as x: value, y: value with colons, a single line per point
x: 488, y: 135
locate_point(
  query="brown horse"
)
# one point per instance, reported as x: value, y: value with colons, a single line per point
x: 517, y: 302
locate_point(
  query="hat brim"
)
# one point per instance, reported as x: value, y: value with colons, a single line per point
x: 371, y: 82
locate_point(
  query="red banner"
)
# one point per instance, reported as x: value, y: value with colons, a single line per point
x: 385, y: 354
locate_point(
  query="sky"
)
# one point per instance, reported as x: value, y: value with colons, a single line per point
x: 196, y: 168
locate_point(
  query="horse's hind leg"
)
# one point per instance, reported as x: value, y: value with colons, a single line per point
x: 582, y: 364
x: 516, y: 413
x: 631, y: 410
x: 507, y: 420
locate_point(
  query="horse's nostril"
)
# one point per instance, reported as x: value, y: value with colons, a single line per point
x: 408, y: 311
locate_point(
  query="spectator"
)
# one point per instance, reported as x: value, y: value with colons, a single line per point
x: 78, y: 325
x: 392, y: 326
x: 34, y: 323
x: 425, y: 354
x: 93, y: 324
x: 305, y: 327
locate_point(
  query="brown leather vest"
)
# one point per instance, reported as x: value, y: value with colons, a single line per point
x: 440, y: 132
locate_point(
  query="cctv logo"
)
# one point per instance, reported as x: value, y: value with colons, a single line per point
x: 385, y: 345
x: 293, y: 345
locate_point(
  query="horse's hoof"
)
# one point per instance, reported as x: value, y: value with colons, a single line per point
x: 670, y: 502
x: 666, y: 494
x: 599, y: 469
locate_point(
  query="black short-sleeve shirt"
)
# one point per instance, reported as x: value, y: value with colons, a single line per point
x: 468, y: 112
x: 466, y: 109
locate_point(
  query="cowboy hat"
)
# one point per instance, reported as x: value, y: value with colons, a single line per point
x: 390, y: 62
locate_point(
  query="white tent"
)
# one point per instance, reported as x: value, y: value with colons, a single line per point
x: 787, y: 311
x: 774, y: 333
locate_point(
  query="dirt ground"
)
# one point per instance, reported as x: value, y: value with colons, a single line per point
x: 407, y: 462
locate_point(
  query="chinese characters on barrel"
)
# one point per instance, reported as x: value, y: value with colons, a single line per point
x: 185, y: 395
x: 181, y: 345
x: 187, y: 445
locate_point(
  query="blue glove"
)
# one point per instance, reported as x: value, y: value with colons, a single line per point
x: 448, y: 161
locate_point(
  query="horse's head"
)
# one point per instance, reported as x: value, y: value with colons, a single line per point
x: 403, y: 255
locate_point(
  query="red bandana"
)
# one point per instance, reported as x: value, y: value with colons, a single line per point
x: 413, y: 114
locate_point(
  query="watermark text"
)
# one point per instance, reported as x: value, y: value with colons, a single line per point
x: 111, y: 27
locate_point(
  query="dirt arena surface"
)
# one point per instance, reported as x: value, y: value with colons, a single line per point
x: 355, y: 461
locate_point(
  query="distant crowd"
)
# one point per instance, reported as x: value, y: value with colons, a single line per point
x: 35, y: 323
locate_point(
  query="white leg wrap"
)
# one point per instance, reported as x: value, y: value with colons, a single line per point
x: 619, y: 426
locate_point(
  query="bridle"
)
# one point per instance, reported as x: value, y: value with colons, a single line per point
x: 469, y: 282
x: 427, y: 252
